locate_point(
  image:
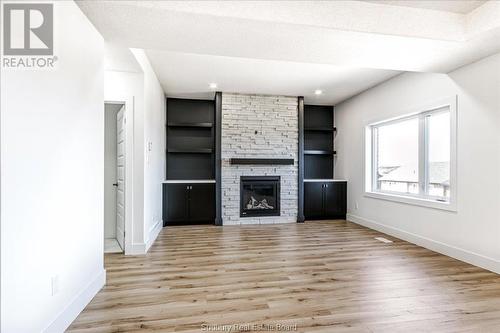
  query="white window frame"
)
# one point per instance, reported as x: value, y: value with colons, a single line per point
x: 420, y: 199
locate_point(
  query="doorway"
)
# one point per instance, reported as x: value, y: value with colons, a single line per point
x: 114, y: 177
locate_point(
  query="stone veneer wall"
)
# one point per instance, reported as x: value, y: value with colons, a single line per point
x: 275, y: 118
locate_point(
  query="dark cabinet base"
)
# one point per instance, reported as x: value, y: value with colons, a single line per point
x: 325, y: 200
x: 188, y: 203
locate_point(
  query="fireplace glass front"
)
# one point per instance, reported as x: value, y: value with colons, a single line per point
x: 259, y: 196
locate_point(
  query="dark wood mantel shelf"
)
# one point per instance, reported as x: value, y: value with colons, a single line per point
x: 262, y: 161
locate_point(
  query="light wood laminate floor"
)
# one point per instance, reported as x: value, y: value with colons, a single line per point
x: 328, y: 276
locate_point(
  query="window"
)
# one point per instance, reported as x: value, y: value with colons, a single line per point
x: 411, y: 159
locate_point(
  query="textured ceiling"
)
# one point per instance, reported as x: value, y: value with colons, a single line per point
x: 177, y: 70
x: 452, y: 6
x: 294, y: 47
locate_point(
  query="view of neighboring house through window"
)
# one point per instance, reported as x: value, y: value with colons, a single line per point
x: 397, y: 156
x: 411, y: 155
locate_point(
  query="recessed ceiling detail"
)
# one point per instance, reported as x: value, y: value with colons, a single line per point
x: 185, y: 75
x: 452, y: 6
x: 341, y: 46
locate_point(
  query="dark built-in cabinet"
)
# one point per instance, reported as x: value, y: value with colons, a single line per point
x: 325, y: 200
x: 189, y: 189
x: 322, y: 198
x: 185, y: 203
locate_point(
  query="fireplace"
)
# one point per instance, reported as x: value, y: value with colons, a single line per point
x: 259, y: 196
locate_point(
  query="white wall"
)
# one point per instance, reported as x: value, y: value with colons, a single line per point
x: 121, y: 86
x: 473, y: 233
x: 154, y: 144
x: 129, y: 76
x: 52, y: 143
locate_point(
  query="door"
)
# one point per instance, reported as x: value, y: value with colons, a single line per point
x: 201, y: 202
x: 335, y: 199
x: 177, y: 202
x: 313, y: 199
x: 110, y: 112
x: 120, y: 177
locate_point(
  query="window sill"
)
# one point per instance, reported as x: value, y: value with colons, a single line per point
x: 449, y: 206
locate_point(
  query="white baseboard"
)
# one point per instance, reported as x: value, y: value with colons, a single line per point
x: 142, y: 248
x: 153, y: 234
x: 135, y: 249
x: 73, y: 309
x: 436, y: 246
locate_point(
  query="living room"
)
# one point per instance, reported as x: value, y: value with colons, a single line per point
x: 250, y: 166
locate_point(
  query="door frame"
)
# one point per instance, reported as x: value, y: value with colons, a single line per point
x: 129, y: 164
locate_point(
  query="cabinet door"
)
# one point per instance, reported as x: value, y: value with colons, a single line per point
x: 202, y: 202
x: 177, y: 202
x: 335, y: 199
x: 313, y: 200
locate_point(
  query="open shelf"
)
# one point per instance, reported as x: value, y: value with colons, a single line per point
x: 321, y: 129
x: 190, y: 139
x: 319, y: 133
x: 190, y: 166
x: 320, y: 152
x: 201, y: 125
x: 191, y: 151
x: 318, y: 166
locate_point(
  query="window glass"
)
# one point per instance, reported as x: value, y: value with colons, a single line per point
x: 439, y: 143
x: 397, y: 156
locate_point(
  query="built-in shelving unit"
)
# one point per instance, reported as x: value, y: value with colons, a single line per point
x: 190, y: 139
x: 318, y: 141
x: 320, y: 195
x: 190, y: 186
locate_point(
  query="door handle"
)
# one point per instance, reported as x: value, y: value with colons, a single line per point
x: 115, y: 184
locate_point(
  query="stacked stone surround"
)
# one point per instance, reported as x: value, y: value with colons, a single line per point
x: 275, y: 119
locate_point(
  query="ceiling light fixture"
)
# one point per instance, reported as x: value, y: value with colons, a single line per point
x: 213, y: 85
x: 318, y: 92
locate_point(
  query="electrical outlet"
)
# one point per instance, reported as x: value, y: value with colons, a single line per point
x: 55, y: 284
x: 356, y: 205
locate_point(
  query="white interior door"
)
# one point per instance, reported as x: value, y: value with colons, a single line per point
x: 120, y: 177
x: 110, y: 112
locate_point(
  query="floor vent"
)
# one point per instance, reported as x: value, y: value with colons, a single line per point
x: 383, y: 240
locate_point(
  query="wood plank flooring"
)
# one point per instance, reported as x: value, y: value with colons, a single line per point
x: 328, y: 276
